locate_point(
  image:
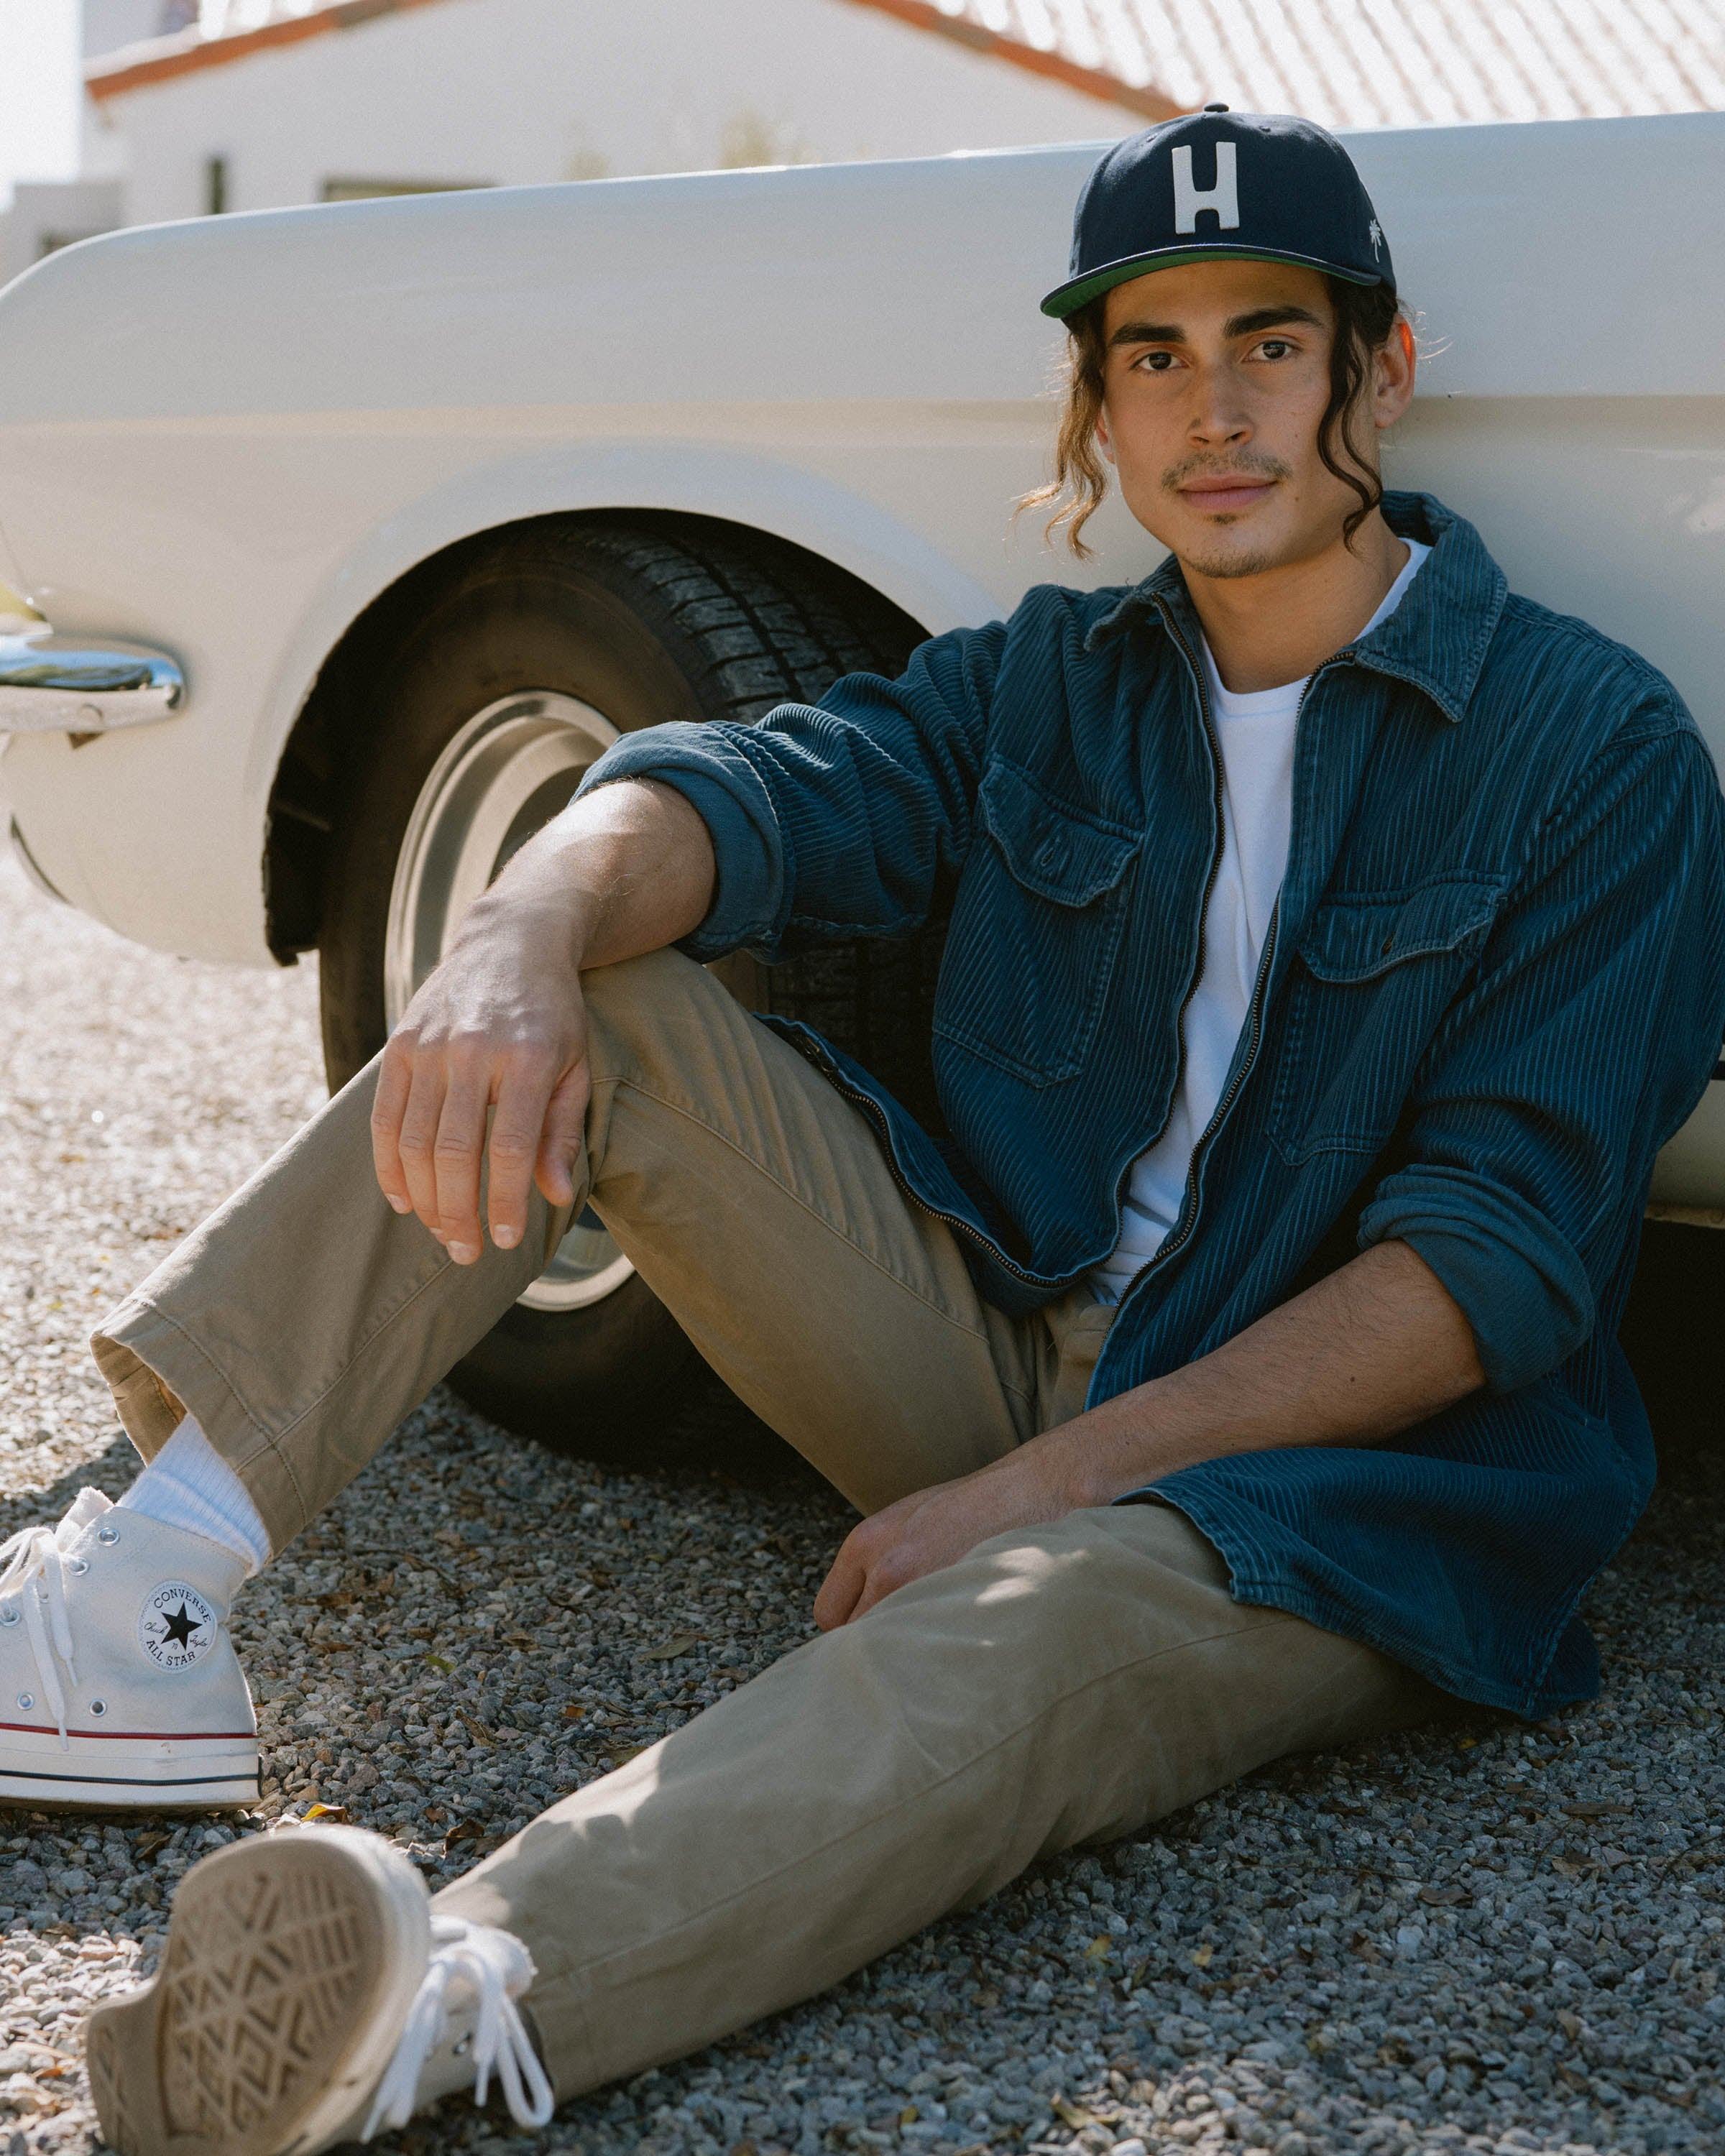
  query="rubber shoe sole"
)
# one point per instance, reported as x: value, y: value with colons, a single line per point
x: 99, y: 1774
x: 291, y: 1961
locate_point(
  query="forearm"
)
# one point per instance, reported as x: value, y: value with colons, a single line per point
x: 1375, y: 1347
x: 626, y: 869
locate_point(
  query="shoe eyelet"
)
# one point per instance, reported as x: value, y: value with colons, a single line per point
x: 78, y: 1564
x: 10, y: 1614
x: 108, y: 1535
x: 463, y: 2047
x: 99, y: 1707
x: 27, y: 1699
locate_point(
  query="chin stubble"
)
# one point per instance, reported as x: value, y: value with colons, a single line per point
x: 1230, y: 565
x: 1248, y: 466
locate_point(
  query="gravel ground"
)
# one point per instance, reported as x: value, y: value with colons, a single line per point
x: 1476, y: 1937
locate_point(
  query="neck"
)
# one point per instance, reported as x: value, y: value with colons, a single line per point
x: 1275, y: 626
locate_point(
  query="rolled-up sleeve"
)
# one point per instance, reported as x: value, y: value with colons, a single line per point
x: 831, y: 820
x: 1586, y: 1038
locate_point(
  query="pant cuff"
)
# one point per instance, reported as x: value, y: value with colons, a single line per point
x: 158, y: 1375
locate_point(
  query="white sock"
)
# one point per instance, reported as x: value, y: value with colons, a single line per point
x: 189, y: 1484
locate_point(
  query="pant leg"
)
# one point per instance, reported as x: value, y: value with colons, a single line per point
x: 305, y: 1318
x: 1057, y: 1686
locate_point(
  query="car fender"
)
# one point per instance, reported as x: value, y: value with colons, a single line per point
x: 787, y: 500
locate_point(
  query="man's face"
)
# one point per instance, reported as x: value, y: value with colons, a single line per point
x: 1215, y: 376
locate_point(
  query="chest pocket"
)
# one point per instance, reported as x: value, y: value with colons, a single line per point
x: 1372, y: 977
x: 1036, y: 926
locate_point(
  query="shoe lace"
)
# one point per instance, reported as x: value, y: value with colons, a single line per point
x: 34, y: 1567
x: 488, y: 1959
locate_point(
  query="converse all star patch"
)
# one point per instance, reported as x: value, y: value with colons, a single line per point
x: 176, y: 1627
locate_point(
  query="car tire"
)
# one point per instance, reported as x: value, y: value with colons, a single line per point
x: 503, y: 674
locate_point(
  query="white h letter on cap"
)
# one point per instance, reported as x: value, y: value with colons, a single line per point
x: 1224, y: 199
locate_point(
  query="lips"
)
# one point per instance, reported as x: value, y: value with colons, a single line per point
x: 1214, y: 496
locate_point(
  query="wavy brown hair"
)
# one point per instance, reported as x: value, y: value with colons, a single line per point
x: 1366, y: 317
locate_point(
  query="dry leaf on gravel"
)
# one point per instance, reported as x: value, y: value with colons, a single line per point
x: 667, y: 1650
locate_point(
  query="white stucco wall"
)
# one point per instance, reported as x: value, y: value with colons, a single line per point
x: 528, y: 90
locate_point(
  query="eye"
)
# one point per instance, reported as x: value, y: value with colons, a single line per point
x: 1276, y: 347
x: 1154, y: 362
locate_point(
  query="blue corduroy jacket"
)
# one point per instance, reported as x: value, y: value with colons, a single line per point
x: 1494, y: 985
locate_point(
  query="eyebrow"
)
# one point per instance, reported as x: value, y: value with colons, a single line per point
x: 1237, y: 325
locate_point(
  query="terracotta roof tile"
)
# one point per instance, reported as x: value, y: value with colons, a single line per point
x: 1347, y: 63
x: 1386, y: 63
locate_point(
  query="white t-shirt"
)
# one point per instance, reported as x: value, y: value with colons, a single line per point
x: 1255, y: 732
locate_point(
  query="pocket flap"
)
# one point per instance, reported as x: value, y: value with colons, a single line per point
x: 1360, y: 936
x: 1057, y: 852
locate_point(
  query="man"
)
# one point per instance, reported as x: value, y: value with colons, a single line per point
x: 1336, y: 938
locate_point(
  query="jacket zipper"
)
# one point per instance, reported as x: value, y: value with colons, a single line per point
x: 1180, y: 1234
x: 1219, y: 803
x: 871, y: 1108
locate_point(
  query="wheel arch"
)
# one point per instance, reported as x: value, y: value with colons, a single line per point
x: 329, y: 720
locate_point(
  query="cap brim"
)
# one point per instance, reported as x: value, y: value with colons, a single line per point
x: 1078, y: 292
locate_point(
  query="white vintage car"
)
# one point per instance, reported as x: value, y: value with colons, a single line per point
x: 352, y: 534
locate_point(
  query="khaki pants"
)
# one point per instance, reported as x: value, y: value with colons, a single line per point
x: 1061, y: 1684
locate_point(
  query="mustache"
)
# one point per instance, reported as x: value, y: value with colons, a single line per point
x: 1247, y: 467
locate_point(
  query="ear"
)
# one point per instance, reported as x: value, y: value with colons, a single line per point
x: 1393, y: 368
x: 1104, y: 442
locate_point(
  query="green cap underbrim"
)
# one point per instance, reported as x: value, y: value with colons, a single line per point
x: 1067, y: 299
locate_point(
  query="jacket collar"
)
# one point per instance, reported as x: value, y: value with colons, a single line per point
x: 1437, y: 638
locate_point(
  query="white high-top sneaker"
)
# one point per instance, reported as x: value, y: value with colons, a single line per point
x: 307, y: 1995
x: 119, y: 1685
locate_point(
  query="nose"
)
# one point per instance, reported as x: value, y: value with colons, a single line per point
x: 1219, y: 418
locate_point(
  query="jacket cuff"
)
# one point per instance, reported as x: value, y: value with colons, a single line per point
x: 1518, y: 1282
x: 724, y: 790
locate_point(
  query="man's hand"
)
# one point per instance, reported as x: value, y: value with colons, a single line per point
x: 498, y: 1032
x: 935, y: 1527
x: 1372, y: 1348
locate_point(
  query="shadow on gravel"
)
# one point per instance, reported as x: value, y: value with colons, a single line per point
x: 1670, y: 1332
x: 108, y: 1471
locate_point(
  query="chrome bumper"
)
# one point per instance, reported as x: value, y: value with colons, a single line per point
x: 52, y: 683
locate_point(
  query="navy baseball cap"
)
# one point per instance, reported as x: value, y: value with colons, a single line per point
x: 1217, y: 184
